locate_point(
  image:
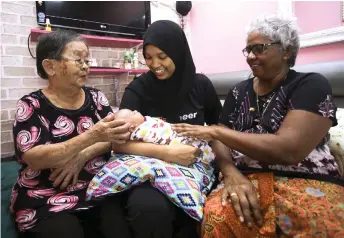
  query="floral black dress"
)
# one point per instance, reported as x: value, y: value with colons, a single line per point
x: 39, y: 122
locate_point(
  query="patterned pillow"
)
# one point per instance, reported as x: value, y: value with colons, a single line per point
x: 336, y: 142
x: 186, y: 187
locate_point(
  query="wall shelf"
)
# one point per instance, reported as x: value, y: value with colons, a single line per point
x: 114, y: 71
x: 92, y: 40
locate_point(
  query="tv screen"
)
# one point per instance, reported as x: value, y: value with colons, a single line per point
x: 122, y: 18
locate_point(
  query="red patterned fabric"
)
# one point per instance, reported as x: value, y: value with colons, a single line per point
x: 299, y: 207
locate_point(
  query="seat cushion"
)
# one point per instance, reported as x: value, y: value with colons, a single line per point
x: 9, y: 173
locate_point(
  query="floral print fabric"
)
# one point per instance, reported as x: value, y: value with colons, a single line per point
x: 298, y: 207
x: 39, y: 122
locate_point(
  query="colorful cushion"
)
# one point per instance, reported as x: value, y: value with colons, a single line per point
x: 336, y: 142
x: 186, y: 187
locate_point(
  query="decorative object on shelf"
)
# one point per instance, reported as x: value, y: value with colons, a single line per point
x: 127, y: 60
x: 118, y: 64
x: 135, y: 61
x: 94, y: 63
x: 131, y: 59
x: 47, y: 24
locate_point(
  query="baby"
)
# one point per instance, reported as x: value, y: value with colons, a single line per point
x: 186, y: 187
x: 157, y: 131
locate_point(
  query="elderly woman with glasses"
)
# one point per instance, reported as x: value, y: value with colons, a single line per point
x: 63, y: 135
x: 277, y: 174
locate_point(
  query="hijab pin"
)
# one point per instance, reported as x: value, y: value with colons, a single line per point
x: 252, y: 109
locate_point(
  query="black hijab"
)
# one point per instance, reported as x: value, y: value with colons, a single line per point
x: 167, y: 95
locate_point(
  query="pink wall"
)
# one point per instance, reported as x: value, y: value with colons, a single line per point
x: 315, y: 16
x: 218, y: 33
x: 321, y: 53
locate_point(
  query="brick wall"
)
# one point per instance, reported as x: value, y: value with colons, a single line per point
x: 18, y: 71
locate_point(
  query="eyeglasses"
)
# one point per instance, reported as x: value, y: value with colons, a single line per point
x: 258, y: 48
x: 78, y: 62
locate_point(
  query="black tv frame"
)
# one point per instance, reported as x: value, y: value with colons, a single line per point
x: 95, y: 28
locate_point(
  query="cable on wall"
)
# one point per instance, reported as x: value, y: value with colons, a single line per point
x: 28, y: 46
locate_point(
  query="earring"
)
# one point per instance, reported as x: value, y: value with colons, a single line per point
x: 285, y: 57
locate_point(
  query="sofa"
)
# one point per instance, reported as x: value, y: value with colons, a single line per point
x: 333, y: 71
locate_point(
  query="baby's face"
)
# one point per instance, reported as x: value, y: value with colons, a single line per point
x: 136, y: 118
x: 132, y: 117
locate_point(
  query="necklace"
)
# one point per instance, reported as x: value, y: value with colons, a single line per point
x: 265, y: 105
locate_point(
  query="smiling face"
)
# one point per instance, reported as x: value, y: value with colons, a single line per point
x: 71, y: 69
x: 158, y: 62
x: 267, y: 63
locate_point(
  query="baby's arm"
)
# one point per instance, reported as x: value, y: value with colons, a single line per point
x: 143, y: 149
x: 179, y: 154
x: 206, y: 155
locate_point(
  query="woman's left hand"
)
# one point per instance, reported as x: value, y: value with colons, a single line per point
x: 243, y: 196
x: 205, y: 133
x: 69, y: 173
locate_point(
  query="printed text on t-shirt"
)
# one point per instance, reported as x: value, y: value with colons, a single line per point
x: 188, y: 116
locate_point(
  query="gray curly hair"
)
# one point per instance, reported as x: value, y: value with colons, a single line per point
x: 278, y: 28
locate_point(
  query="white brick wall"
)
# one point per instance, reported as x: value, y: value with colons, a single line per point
x: 18, y: 70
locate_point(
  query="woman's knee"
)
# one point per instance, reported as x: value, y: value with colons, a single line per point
x: 147, y: 199
x: 113, y: 222
x: 150, y: 213
x: 61, y: 225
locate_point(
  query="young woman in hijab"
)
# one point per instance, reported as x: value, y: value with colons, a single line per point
x: 173, y: 91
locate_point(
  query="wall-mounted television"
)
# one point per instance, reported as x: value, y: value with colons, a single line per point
x: 128, y: 19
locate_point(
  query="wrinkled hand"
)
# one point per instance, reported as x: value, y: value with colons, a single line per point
x: 68, y: 173
x: 201, y: 132
x: 242, y: 194
x: 112, y: 130
x: 182, y: 154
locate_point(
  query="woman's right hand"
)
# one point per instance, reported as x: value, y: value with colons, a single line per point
x: 110, y: 130
x: 242, y: 194
x: 182, y: 154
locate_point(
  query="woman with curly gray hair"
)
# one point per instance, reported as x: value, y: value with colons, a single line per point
x: 272, y: 148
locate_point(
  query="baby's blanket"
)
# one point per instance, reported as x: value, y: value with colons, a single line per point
x: 186, y: 187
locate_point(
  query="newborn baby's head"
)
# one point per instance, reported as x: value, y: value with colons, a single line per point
x: 133, y: 117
